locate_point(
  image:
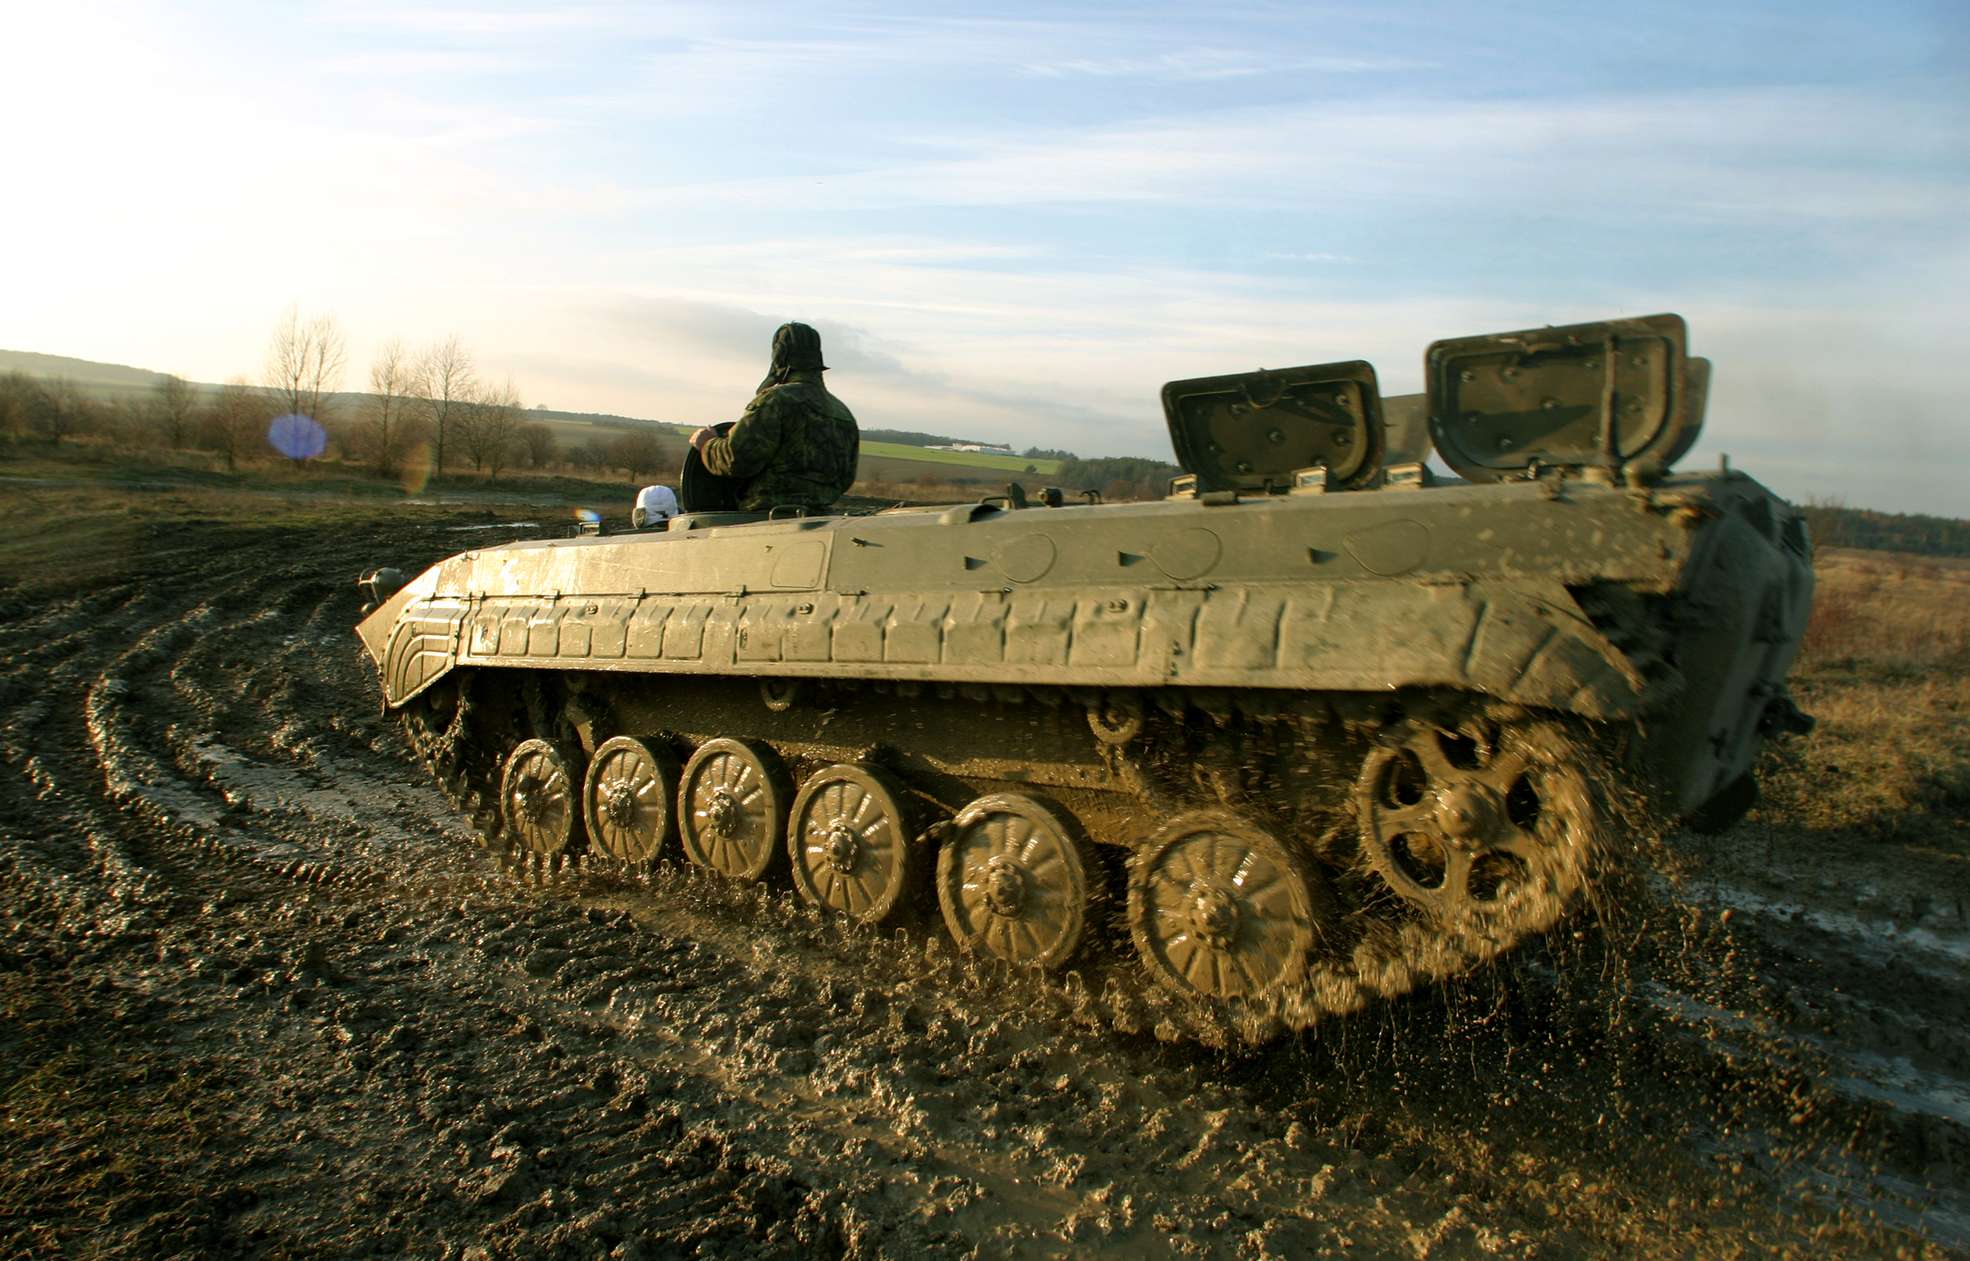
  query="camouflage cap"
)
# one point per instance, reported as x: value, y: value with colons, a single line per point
x: 797, y: 348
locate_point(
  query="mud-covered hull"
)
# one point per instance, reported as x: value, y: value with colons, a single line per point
x: 1345, y: 594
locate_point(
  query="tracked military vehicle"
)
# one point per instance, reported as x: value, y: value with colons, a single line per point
x: 1320, y: 724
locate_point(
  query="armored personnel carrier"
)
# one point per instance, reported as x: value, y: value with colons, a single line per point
x: 1320, y: 724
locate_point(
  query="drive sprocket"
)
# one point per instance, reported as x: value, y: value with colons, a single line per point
x: 1484, y: 824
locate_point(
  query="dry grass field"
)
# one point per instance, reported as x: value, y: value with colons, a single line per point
x: 1885, y: 666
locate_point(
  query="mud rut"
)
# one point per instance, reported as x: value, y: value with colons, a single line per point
x: 266, y: 994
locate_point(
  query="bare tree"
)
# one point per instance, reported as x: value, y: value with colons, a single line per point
x: 636, y: 452
x: 446, y: 383
x: 383, y: 434
x: 538, y: 441
x: 592, y: 454
x: 22, y: 399
x: 464, y: 428
x: 63, y: 411
x: 234, y: 420
x: 133, y: 421
x: 489, y: 428
x: 499, y: 427
x: 304, y: 364
x: 174, y: 404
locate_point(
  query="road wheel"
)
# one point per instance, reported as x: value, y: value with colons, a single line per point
x: 850, y: 843
x: 629, y: 797
x: 1223, y: 909
x: 537, y: 801
x: 731, y: 807
x: 1012, y: 879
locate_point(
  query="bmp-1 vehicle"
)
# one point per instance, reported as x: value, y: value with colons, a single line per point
x: 1319, y: 724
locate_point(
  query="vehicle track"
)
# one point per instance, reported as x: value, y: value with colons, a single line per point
x: 310, y: 1013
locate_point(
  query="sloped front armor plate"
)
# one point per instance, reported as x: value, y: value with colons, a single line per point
x: 423, y: 646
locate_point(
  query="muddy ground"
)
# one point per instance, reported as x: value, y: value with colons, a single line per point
x: 263, y: 994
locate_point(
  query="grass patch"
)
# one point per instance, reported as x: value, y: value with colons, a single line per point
x: 1885, y: 667
x: 1884, y: 614
x: 963, y: 459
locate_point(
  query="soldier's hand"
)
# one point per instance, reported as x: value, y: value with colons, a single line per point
x: 702, y: 436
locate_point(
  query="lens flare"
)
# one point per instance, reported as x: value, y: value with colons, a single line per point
x: 416, y: 468
x: 297, y: 437
x: 588, y: 516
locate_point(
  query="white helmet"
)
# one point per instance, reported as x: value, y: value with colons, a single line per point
x: 654, y: 505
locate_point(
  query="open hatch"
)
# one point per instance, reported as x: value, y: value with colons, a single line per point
x: 1599, y: 395
x: 1254, y: 430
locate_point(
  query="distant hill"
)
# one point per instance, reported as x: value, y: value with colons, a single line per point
x: 896, y: 455
x: 599, y: 420
x: 114, y: 379
x: 81, y: 371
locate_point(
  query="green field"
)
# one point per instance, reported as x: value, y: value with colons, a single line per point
x: 968, y: 459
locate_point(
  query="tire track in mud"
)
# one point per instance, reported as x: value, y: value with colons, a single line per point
x: 408, y: 1049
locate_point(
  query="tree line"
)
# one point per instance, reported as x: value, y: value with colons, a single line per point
x: 231, y: 422
x: 1117, y: 477
x: 433, y: 404
x: 431, y: 409
x: 1833, y: 524
x: 911, y: 438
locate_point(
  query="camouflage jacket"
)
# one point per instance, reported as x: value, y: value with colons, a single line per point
x: 796, y: 444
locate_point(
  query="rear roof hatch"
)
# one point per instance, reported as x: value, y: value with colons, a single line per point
x: 1604, y: 394
x: 1253, y: 430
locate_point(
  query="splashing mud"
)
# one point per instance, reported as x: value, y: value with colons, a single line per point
x: 264, y: 993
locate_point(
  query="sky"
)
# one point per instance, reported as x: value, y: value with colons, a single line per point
x: 1015, y: 222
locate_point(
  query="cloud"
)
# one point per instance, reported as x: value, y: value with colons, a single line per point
x: 1078, y: 363
x: 1216, y: 63
x: 389, y: 63
x: 715, y: 353
x: 1814, y: 157
x: 1858, y: 404
x: 467, y: 21
x: 563, y: 380
x: 695, y: 60
x: 694, y: 331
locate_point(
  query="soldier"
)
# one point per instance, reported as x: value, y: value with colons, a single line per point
x: 796, y: 443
